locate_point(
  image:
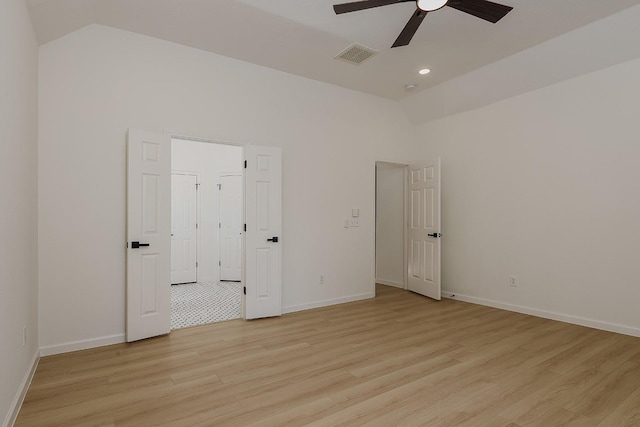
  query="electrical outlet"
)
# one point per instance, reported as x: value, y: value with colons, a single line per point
x: 24, y: 335
x: 347, y: 223
x: 355, y: 222
x: 322, y: 280
x: 512, y: 282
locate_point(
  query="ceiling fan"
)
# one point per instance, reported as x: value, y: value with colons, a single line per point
x: 484, y: 9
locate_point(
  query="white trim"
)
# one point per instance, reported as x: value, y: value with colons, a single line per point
x: 327, y: 302
x: 14, y: 409
x: 576, y: 320
x: 390, y: 283
x: 81, y: 345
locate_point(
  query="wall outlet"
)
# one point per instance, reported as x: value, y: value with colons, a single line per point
x: 347, y: 223
x: 355, y: 222
x: 512, y: 282
x: 322, y: 280
x: 24, y: 335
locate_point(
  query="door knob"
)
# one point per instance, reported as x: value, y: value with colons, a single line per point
x: 436, y: 235
x: 136, y: 245
x: 273, y: 239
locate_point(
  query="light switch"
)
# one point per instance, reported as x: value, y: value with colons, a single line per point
x: 355, y: 212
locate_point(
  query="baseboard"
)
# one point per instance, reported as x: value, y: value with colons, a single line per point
x: 327, y: 302
x: 81, y: 345
x: 390, y: 283
x: 576, y: 320
x: 11, y: 417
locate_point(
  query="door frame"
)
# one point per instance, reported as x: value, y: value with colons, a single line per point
x: 405, y: 193
x: 197, y: 175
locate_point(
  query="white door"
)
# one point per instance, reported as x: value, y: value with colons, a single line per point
x: 263, y: 237
x: 148, y: 234
x: 183, y: 228
x: 424, y: 229
x: 231, y: 227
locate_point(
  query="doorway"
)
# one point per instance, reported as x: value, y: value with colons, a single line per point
x: 390, y: 250
x: 207, y: 203
x: 148, y: 230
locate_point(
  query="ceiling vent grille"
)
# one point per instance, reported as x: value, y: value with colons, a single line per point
x: 356, y: 54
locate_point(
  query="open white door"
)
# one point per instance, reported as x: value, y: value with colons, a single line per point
x: 263, y: 236
x: 231, y: 227
x: 148, y: 234
x: 424, y: 229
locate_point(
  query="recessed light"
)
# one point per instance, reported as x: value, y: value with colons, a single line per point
x: 410, y: 86
x: 424, y: 71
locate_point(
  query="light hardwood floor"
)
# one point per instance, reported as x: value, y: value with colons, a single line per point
x: 397, y: 360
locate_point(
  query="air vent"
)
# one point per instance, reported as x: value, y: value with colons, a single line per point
x: 356, y: 54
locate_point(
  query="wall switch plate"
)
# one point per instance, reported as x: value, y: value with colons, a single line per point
x: 355, y: 212
x: 512, y: 282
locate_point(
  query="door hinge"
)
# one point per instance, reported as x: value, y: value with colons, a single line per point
x: 196, y: 264
x: 219, y: 186
x: 219, y: 263
x: 245, y: 164
x: 244, y: 290
x: 197, y: 186
x: 196, y: 225
x: 245, y: 227
x: 219, y: 225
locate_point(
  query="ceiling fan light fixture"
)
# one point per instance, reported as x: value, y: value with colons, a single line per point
x: 430, y: 5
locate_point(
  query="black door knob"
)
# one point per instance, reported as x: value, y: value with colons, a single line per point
x: 136, y: 245
x: 273, y: 239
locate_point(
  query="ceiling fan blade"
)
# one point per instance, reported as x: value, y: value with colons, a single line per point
x: 363, y: 4
x: 484, y: 9
x: 410, y: 29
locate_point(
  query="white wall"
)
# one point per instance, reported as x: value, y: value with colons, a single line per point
x: 390, y: 225
x: 545, y: 186
x: 98, y: 81
x: 18, y: 202
x: 208, y: 161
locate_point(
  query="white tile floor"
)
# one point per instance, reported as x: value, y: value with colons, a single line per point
x: 199, y: 303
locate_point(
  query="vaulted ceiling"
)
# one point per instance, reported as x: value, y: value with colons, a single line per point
x: 302, y: 37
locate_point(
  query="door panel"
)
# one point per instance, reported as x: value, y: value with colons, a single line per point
x: 183, y: 228
x: 231, y: 228
x: 424, y: 211
x: 263, y: 217
x: 148, y: 225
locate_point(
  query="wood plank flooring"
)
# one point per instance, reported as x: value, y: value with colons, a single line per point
x: 397, y: 360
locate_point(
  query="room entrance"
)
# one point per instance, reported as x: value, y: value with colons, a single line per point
x: 149, y: 168
x: 408, y: 229
x: 206, y: 232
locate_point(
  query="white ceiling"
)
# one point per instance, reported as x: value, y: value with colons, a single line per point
x: 302, y: 36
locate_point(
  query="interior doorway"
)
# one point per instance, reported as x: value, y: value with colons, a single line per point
x: 148, y: 230
x: 390, y: 217
x: 207, y: 195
